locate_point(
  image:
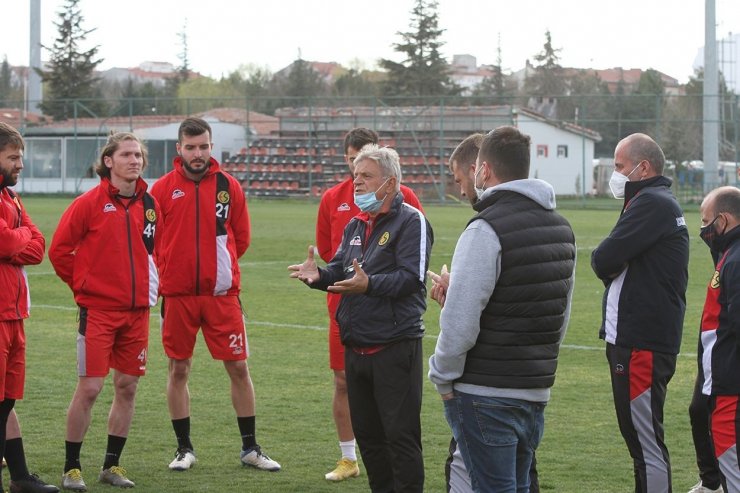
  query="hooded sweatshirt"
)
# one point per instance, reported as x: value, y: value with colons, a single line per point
x: 474, y: 274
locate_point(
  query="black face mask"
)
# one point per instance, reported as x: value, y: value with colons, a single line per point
x: 710, y: 236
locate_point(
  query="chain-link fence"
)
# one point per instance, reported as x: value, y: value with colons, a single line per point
x: 281, y: 147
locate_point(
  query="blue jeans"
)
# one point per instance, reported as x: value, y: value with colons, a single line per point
x: 497, y: 437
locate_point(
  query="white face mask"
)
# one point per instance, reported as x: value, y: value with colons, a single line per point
x: 618, y: 181
x: 478, y: 191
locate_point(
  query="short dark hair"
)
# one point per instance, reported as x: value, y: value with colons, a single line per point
x: 727, y: 199
x: 111, y: 146
x: 467, y: 151
x: 506, y: 150
x: 9, y: 136
x: 193, y: 127
x: 359, y: 137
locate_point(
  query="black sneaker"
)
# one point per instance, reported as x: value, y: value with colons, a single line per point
x: 32, y: 484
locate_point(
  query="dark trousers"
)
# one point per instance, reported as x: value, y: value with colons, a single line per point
x: 699, y: 410
x: 639, y: 385
x: 384, y: 391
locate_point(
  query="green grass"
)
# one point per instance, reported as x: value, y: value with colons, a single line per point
x: 581, y: 450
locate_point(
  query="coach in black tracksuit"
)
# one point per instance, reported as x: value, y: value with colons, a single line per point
x: 380, y: 268
x: 719, y: 341
x: 644, y: 265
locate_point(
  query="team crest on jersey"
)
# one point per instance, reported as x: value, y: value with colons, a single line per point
x: 238, y: 350
x: 715, y: 280
x: 384, y: 239
x: 109, y: 207
x: 356, y: 241
x: 177, y: 193
x: 151, y: 215
x: 343, y: 207
x: 223, y: 197
x: 680, y: 221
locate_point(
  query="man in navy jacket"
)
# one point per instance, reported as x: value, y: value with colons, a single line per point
x: 719, y: 343
x: 379, y: 268
x: 644, y: 266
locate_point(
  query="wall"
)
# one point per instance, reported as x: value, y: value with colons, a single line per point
x: 560, y: 171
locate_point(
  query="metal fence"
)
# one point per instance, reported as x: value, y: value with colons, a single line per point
x: 292, y: 146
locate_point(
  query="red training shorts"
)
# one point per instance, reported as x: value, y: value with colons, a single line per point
x: 115, y: 339
x: 12, y: 359
x: 336, y: 348
x: 220, y: 317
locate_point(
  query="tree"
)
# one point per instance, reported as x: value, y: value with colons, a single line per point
x: 71, y: 74
x: 548, y: 79
x: 355, y: 83
x: 424, y: 72
x: 643, y: 109
x: 6, y: 83
x: 301, y: 81
x: 496, y: 88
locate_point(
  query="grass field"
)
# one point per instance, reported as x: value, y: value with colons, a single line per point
x: 581, y: 450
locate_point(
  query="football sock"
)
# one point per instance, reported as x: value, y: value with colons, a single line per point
x: 182, y: 432
x: 246, y: 428
x: 348, y: 449
x: 16, y: 459
x: 72, y: 455
x: 113, y: 451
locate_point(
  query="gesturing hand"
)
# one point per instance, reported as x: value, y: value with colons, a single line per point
x: 357, y: 284
x: 440, y: 283
x: 308, y: 271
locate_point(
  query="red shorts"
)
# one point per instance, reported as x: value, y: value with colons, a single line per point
x: 115, y: 339
x: 336, y: 348
x: 220, y: 317
x: 12, y: 359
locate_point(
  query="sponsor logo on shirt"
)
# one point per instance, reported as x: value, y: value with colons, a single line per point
x: 343, y: 207
x: 356, y: 241
x: 177, y: 193
x: 680, y: 221
x: 109, y: 207
x: 384, y: 239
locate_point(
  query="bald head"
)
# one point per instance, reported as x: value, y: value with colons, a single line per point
x: 640, y: 148
x: 723, y: 201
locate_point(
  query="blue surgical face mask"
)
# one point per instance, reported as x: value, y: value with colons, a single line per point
x: 368, y: 202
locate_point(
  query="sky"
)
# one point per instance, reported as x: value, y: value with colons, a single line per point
x: 223, y: 35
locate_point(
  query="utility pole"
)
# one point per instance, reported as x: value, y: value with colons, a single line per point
x: 33, y: 97
x: 711, y: 99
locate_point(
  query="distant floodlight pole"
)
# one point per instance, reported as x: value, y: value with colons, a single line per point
x: 33, y: 97
x: 711, y: 99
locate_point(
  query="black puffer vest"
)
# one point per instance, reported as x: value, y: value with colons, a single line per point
x: 521, y: 326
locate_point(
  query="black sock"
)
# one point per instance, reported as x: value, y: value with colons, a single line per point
x: 182, y: 432
x: 16, y: 459
x: 72, y: 455
x: 5, y: 407
x: 113, y: 451
x: 246, y: 428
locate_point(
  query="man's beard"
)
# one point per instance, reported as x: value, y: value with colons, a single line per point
x: 186, y: 165
x: 8, y: 179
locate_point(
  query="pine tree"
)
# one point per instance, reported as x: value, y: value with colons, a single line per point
x: 424, y: 72
x: 302, y: 81
x: 496, y: 88
x: 548, y: 77
x: 71, y: 75
x: 6, y: 86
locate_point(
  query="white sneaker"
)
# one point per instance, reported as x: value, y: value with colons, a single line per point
x: 255, y: 458
x: 700, y: 488
x: 184, y: 460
